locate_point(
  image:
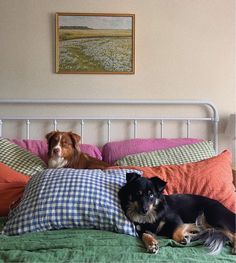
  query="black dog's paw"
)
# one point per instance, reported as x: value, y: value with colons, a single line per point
x: 186, y: 240
x: 185, y: 233
x: 153, y: 248
x: 151, y: 243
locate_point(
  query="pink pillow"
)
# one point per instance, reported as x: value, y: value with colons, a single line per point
x: 91, y: 150
x: 114, y: 151
x: 40, y: 148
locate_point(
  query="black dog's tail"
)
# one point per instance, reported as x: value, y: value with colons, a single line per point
x: 213, y: 239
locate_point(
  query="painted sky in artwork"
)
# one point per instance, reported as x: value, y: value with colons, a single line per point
x: 97, y: 22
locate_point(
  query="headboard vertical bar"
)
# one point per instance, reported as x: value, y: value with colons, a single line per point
x: 162, y: 128
x: 1, y: 126
x: 55, y: 125
x: 135, y: 128
x: 188, y: 123
x: 215, y: 134
x: 109, y: 130
x: 27, y: 129
x: 82, y: 131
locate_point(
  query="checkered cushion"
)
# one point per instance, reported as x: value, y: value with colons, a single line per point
x: 176, y: 155
x: 69, y: 198
x: 20, y: 159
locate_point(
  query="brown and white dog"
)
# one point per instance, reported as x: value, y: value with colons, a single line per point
x: 64, y: 152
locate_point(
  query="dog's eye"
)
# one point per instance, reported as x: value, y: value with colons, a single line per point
x: 151, y: 196
x: 65, y: 143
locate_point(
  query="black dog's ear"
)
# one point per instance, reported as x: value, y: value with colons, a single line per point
x: 132, y: 176
x: 158, y: 183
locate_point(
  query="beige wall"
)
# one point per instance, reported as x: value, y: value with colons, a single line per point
x: 185, y: 49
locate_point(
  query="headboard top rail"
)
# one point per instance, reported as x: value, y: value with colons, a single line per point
x: 114, y: 102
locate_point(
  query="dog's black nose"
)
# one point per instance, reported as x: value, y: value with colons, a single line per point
x: 144, y: 210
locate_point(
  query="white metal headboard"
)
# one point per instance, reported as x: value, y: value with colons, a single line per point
x: 212, y: 117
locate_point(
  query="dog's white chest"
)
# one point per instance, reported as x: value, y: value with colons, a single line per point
x: 58, y: 162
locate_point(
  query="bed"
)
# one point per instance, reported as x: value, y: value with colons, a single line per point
x: 154, y: 138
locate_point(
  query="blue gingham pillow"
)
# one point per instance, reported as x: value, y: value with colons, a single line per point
x: 69, y: 198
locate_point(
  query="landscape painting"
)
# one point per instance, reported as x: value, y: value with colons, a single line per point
x: 95, y: 43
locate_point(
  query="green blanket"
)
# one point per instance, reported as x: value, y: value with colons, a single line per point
x: 76, y: 245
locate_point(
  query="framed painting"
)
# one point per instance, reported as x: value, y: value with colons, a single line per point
x: 95, y: 43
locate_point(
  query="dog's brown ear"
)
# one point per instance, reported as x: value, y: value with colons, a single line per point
x: 132, y: 176
x: 75, y: 139
x: 50, y: 134
x: 158, y: 183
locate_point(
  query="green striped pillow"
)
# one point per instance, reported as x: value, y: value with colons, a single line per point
x: 20, y: 159
x: 176, y: 155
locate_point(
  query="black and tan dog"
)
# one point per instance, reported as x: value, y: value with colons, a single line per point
x: 182, y: 217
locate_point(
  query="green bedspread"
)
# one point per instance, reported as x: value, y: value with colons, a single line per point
x: 74, y: 245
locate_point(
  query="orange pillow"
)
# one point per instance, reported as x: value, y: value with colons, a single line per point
x: 12, y: 185
x: 211, y: 178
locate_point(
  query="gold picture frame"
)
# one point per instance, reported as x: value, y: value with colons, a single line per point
x: 95, y: 43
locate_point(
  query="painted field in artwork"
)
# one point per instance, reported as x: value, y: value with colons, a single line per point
x: 95, y: 50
